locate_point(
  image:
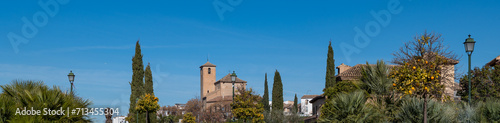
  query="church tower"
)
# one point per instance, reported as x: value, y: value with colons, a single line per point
x: 207, y: 79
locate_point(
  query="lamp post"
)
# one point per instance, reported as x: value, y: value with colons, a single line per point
x: 233, y: 79
x: 469, y: 48
x: 71, y: 78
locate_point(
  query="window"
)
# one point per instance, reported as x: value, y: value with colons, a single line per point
x: 209, y: 70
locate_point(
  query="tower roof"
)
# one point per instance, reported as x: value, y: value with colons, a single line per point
x: 208, y: 64
x: 227, y: 79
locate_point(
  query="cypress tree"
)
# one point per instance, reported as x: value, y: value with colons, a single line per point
x: 330, y: 68
x: 295, y: 105
x: 277, y: 103
x: 148, y: 87
x: 137, y: 83
x: 265, y: 98
x: 148, y: 80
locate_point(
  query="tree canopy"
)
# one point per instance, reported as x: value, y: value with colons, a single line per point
x: 246, y: 106
x: 28, y: 93
x: 485, y: 84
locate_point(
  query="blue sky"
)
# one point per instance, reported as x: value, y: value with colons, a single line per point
x: 96, y: 40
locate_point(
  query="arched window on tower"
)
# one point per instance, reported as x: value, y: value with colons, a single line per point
x: 209, y: 70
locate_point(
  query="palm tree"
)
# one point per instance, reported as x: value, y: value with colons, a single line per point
x: 39, y: 96
x: 437, y: 112
x: 376, y: 78
x: 349, y: 107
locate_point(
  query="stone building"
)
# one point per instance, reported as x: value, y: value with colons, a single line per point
x: 346, y: 72
x: 220, y: 91
x: 306, y: 108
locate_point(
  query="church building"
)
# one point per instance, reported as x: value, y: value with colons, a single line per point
x: 220, y: 91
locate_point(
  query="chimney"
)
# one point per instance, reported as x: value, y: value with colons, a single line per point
x: 342, y: 67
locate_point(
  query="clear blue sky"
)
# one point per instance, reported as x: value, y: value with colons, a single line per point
x: 96, y: 40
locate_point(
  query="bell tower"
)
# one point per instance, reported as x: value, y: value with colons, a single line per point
x: 207, y: 79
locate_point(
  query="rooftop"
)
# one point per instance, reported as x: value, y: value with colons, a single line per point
x: 227, y: 79
x: 494, y: 62
x: 354, y: 73
x: 208, y: 64
x: 308, y: 96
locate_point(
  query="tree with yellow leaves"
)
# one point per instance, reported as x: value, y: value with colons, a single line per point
x: 189, y: 118
x: 147, y: 103
x: 420, y: 64
x: 246, y: 106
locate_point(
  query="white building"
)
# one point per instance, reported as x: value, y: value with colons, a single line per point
x: 305, y: 106
x: 119, y: 119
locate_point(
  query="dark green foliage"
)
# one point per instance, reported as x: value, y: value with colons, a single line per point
x: 437, y: 112
x: 20, y: 94
x: 341, y: 87
x: 489, y: 110
x: 265, y: 97
x: 485, y: 84
x: 137, y: 84
x: 376, y: 79
x: 277, y: 104
x: 295, y: 108
x: 330, y: 68
x: 467, y: 113
x: 148, y: 87
x: 349, y: 108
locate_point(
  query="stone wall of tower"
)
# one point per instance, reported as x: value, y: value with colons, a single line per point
x: 207, y: 80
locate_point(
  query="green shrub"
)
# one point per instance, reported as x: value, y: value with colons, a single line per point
x: 411, y: 110
x: 20, y: 94
x: 348, y: 107
x: 489, y: 111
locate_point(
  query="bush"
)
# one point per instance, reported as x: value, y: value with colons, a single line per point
x: 349, y: 107
x: 467, y: 113
x: 489, y: 110
x: 39, y: 96
x: 411, y: 110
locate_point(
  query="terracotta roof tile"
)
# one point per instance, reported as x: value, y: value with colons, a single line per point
x: 208, y: 64
x: 317, y: 98
x: 227, y: 79
x: 354, y: 73
x: 308, y: 96
x: 494, y: 62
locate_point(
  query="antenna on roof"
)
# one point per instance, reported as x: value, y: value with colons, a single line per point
x: 208, y: 56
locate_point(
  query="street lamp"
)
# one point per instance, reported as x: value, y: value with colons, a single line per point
x: 469, y: 48
x: 71, y: 78
x: 233, y: 79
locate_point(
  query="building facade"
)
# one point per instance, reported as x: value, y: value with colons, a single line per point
x: 346, y: 72
x: 305, y: 105
x: 220, y: 91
